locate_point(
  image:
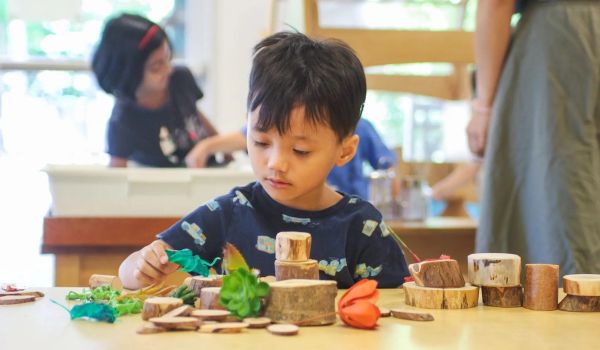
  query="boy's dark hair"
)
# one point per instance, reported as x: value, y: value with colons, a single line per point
x: 119, y: 60
x: 290, y: 70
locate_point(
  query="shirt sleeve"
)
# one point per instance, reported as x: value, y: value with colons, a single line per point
x: 118, y: 140
x: 203, y: 230
x: 372, y: 147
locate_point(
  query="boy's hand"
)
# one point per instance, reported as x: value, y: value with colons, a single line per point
x: 152, y: 264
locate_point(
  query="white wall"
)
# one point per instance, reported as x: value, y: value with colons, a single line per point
x: 221, y: 33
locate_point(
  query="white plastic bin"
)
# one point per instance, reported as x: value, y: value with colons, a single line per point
x: 97, y: 191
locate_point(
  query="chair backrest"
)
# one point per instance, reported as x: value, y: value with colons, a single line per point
x: 377, y: 47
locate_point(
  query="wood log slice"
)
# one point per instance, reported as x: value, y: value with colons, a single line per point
x: 304, y: 302
x: 183, y: 310
x: 283, y: 329
x: 209, y: 298
x: 384, y: 312
x: 181, y: 323
x: 16, y: 299
x: 257, y: 322
x: 541, y: 287
x: 158, y: 306
x: 437, y: 274
x: 100, y: 280
x: 211, y: 315
x: 494, y: 269
x: 411, y: 315
x: 502, y: 296
x: 440, y: 298
x: 196, y: 283
x: 150, y: 328
x: 587, y: 285
x: 287, y: 270
x: 576, y: 303
x: 292, y: 246
x: 224, y: 327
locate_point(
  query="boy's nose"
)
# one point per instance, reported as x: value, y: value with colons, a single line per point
x: 277, y: 161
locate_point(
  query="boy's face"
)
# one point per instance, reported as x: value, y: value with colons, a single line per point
x: 293, y: 167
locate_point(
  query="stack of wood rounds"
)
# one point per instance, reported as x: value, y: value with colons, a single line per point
x: 541, y: 287
x: 292, y: 257
x: 439, y: 284
x: 196, y: 283
x: 583, y: 293
x: 499, y: 276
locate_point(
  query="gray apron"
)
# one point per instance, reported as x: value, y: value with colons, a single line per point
x: 541, y: 182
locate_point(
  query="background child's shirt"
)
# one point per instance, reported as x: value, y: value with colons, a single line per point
x: 349, y: 240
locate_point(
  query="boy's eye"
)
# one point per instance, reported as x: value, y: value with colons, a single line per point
x: 301, y: 152
x: 260, y: 144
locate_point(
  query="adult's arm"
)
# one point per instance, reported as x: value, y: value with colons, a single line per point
x: 492, y: 38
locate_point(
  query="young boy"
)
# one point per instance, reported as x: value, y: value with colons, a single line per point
x: 305, y: 99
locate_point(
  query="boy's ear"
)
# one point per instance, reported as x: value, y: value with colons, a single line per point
x: 349, y: 147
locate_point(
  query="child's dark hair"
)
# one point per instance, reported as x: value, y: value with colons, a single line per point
x: 126, y: 43
x: 290, y: 70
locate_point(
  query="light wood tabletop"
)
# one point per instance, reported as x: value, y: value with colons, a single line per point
x: 44, y: 325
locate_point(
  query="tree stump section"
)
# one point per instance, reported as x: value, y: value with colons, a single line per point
x: 576, y: 303
x: 292, y: 246
x: 440, y: 298
x: 100, y: 280
x: 541, y: 287
x: 158, y: 306
x: 502, y: 296
x: 209, y: 298
x: 196, y: 283
x: 437, y: 274
x: 304, y: 302
x: 286, y: 270
x: 586, y: 285
x: 494, y: 269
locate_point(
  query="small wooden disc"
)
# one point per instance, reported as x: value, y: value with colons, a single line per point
x: 210, y: 314
x: 35, y: 294
x: 257, y: 322
x: 384, y: 312
x: 16, y: 299
x: 411, y: 315
x: 283, y: 329
x: 224, y: 327
x: 183, y: 310
x: 150, y: 328
x: 586, y: 285
x: 176, y: 322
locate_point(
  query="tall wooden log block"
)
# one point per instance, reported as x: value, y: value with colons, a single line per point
x: 437, y: 274
x: 287, y: 270
x: 541, y: 287
x: 494, y: 269
x: 158, y: 306
x: 440, y: 298
x: 196, y: 283
x: 99, y: 280
x: 209, y: 298
x: 292, y: 246
x: 578, y: 303
x: 587, y: 285
x: 303, y: 302
x: 502, y: 296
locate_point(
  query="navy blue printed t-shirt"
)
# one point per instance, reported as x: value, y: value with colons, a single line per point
x: 158, y: 137
x: 349, y: 239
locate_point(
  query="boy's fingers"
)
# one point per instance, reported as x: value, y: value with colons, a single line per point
x: 142, y: 277
x: 150, y: 270
x: 160, y: 253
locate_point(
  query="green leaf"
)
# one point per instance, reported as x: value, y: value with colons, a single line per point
x: 100, y: 312
x: 262, y: 290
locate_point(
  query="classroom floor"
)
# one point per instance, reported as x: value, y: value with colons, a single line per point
x: 24, y: 200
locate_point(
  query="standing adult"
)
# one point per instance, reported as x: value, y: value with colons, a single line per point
x: 539, y: 94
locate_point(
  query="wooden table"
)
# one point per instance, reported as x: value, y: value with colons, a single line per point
x: 84, y: 246
x: 43, y: 325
